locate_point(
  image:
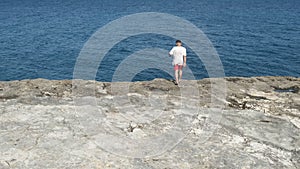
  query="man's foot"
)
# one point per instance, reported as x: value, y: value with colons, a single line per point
x: 175, y: 82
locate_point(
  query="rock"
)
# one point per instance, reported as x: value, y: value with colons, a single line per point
x: 155, y: 124
x: 137, y: 133
x: 296, y: 122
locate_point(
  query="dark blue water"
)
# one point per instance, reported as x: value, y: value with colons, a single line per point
x: 42, y: 39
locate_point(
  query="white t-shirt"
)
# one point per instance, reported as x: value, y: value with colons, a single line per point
x: 178, y: 52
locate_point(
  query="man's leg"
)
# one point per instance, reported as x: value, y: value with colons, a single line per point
x: 176, y: 76
x: 180, y: 74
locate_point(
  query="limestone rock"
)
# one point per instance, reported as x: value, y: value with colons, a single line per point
x: 155, y: 124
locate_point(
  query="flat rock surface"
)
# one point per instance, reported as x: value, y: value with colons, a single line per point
x: 210, y: 123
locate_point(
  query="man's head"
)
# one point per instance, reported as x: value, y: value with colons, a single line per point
x: 178, y: 43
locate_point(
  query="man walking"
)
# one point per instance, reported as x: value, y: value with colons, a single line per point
x: 179, y: 60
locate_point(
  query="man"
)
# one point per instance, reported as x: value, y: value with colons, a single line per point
x: 179, y: 60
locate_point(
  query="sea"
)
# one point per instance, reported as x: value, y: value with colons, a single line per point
x: 43, y: 38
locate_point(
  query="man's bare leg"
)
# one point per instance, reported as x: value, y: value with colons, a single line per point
x: 180, y: 75
x: 176, y: 76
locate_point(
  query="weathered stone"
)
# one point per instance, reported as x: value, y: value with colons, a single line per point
x: 155, y: 124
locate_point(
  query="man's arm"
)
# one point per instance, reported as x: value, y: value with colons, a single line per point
x: 184, y: 61
x: 171, y: 52
x: 184, y: 58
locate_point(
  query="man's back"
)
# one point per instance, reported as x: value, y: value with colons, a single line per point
x: 178, y: 52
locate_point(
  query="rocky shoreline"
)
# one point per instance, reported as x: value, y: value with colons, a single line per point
x: 43, y: 126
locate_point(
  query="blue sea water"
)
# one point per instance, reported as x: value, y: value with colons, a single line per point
x: 42, y: 39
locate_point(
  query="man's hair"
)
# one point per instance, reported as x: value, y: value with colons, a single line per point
x: 178, y: 41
